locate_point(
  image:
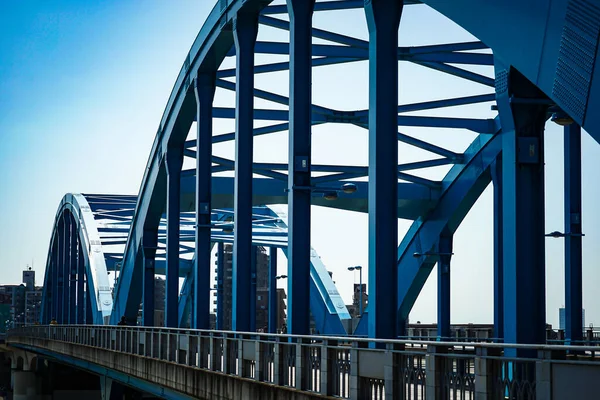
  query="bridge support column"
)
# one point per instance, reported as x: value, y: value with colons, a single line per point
x: 80, y: 307
x: 383, y: 19
x: 573, y: 258
x: 498, y: 251
x: 273, y: 304
x: 443, y: 323
x: 109, y: 389
x: 299, y: 170
x: 220, y: 294
x: 522, y: 108
x: 26, y: 385
x: 150, y: 243
x: 205, y: 92
x: 245, y: 30
x: 72, y: 270
x: 174, y: 161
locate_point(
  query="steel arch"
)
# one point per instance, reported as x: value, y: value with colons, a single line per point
x: 76, y: 208
x: 437, y: 207
x: 212, y: 45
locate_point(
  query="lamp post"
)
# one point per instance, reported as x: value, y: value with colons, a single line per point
x: 359, y: 269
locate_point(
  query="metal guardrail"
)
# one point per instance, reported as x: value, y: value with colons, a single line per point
x: 345, y: 367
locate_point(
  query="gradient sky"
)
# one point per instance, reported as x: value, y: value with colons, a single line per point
x: 83, y: 87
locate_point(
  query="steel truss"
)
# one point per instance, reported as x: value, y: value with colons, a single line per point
x: 171, y: 227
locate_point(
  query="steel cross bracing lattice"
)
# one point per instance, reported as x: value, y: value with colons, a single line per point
x: 129, y: 235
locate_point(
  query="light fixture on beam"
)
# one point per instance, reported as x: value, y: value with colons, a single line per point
x: 561, y: 118
x: 557, y: 234
x: 329, y: 193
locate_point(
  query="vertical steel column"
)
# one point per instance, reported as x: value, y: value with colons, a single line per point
x: 61, y: 270
x: 89, y: 312
x: 205, y: 93
x: 245, y: 30
x: 150, y: 244
x: 80, y: 310
x: 55, y: 276
x: 443, y: 323
x: 220, y: 274
x: 383, y: 19
x: 573, y: 260
x: 72, y: 270
x: 498, y: 263
x: 65, y: 270
x: 523, y: 115
x: 253, y: 259
x: 299, y: 170
x: 273, y: 304
x: 174, y: 161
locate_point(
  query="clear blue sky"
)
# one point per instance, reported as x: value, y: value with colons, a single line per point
x: 83, y: 87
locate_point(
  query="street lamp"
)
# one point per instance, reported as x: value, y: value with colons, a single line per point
x: 359, y: 269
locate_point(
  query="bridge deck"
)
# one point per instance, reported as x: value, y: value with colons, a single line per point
x: 176, y: 363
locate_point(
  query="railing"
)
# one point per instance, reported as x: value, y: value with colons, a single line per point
x: 345, y: 367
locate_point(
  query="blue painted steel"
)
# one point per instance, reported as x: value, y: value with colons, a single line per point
x: 186, y: 300
x: 475, y: 125
x: 245, y: 30
x: 317, y: 33
x: 458, y: 190
x: 174, y: 161
x: 80, y: 310
x: 205, y: 91
x: 496, y: 170
x: 220, y: 276
x: 383, y: 19
x: 350, y: 52
x: 550, y: 45
x: 72, y: 270
x: 458, y: 72
x: 462, y: 186
x: 273, y: 303
x: 299, y: 169
x: 56, y: 276
x: 89, y: 312
x: 150, y: 244
x: 61, y: 270
x: 252, y: 299
x: 523, y: 209
x: 573, y: 221
x: 445, y: 249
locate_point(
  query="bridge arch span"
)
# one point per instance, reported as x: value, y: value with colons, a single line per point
x: 76, y: 288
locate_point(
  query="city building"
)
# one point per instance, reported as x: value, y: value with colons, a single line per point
x: 33, y: 305
x: 262, y: 290
x: 562, y: 322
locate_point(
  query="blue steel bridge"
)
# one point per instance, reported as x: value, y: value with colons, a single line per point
x: 532, y: 62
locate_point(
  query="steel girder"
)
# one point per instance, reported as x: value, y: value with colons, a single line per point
x: 75, y: 209
x: 553, y: 43
x: 215, y: 40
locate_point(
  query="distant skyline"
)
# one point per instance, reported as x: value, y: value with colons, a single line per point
x: 83, y: 87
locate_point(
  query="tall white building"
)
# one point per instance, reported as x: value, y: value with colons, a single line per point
x: 562, y: 322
